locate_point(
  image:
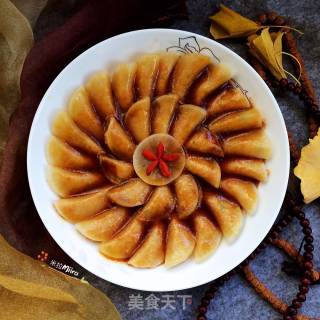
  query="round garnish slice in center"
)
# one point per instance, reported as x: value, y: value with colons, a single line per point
x: 159, y: 159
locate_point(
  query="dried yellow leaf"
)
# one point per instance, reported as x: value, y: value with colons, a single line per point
x: 308, y: 169
x: 227, y: 23
x: 267, y: 48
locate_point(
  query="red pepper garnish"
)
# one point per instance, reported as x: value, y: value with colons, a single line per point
x: 164, y: 169
x: 160, y: 160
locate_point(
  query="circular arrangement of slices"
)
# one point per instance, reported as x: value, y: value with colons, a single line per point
x: 159, y: 160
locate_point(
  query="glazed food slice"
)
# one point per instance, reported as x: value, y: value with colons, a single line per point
x: 146, y: 74
x: 132, y: 193
x: 251, y: 168
x: 208, y: 236
x: 226, y: 212
x: 67, y: 183
x: 98, y: 87
x: 64, y: 128
x: 230, y: 99
x: 236, y: 121
x: 205, y: 168
x: 255, y: 144
x: 216, y: 75
x: 82, y: 113
x: 137, y: 119
x: 123, y: 84
x: 116, y: 171
x: 160, y: 205
x: 180, y: 243
x: 188, y: 195
x: 188, y: 118
x: 83, y: 206
x: 187, y: 69
x: 163, y: 110
x: 245, y: 192
x: 118, y: 141
x: 151, y: 252
x: 125, y: 242
x: 104, y: 226
x: 166, y: 64
x: 60, y: 154
x: 203, y: 141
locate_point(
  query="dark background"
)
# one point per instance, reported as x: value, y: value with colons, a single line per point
x: 236, y: 300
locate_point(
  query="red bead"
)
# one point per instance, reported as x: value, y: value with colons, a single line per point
x: 305, y: 223
x: 308, y: 256
x: 201, y: 317
x: 291, y: 86
x: 308, y: 248
x: 308, y: 265
x: 279, y: 21
x: 202, y: 310
x: 303, y: 289
x: 287, y: 318
x: 307, y: 274
x: 307, y: 231
x: 271, y: 16
x: 262, y: 18
x: 283, y: 83
x: 300, y: 215
x: 301, y: 297
x: 292, y: 311
x: 309, y: 239
x: 296, y: 304
x: 305, y: 282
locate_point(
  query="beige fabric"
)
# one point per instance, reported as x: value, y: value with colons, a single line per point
x: 48, y: 294
x: 16, y: 39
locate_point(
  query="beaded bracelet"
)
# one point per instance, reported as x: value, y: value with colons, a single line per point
x: 291, y: 205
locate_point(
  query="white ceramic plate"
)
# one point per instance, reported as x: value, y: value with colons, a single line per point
x: 105, y: 55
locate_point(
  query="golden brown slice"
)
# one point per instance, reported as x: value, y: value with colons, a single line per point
x: 186, y: 70
x: 99, y: 89
x: 207, y: 169
x: 245, y: 192
x: 123, y: 84
x: 254, y: 144
x: 166, y: 65
x: 237, y: 121
x: 118, y: 141
x: 208, y: 236
x: 162, y: 112
x: 123, y: 245
x: 83, y: 206
x: 82, y: 113
x: 180, y: 243
x: 188, y: 195
x: 160, y: 204
x: 251, y: 168
x: 64, y: 128
x: 115, y: 170
x: 60, y: 154
x: 188, y: 118
x: 132, y: 193
x: 146, y: 75
x: 105, y: 225
x: 203, y: 141
x: 227, y: 213
x: 228, y: 100
x: 151, y: 252
x: 137, y: 119
x: 216, y: 75
x: 66, y: 183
